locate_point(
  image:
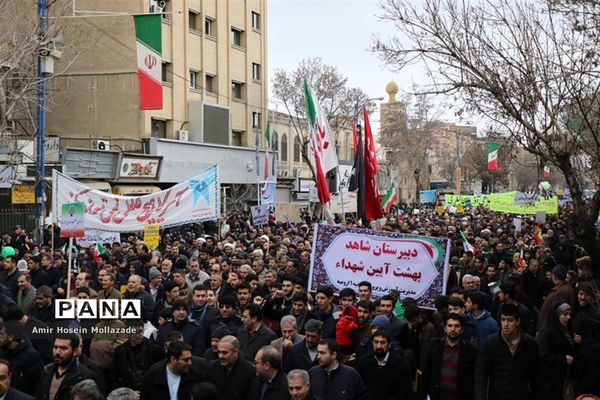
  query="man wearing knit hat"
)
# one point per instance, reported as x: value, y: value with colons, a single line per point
x: 562, y: 292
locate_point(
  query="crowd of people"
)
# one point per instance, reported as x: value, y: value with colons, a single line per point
x: 229, y: 315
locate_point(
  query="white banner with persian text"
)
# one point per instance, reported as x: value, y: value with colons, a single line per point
x: 93, y: 236
x: 414, y: 266
x: 194, y: 200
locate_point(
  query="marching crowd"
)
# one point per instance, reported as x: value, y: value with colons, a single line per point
x: 229, y: 316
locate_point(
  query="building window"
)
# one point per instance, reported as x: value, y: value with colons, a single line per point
x: 274, y: 142
x: 256, y: 71
x: 194, y: 79
x: 237, y: 90
x: 283, y: 151
x: 167, y: 72
x: 211, y: 83
x: 236, y: 138
x: 209, y: 26
x: 256, y: 120
x: 297, y: 145
x: 159, y: 128
x: 255, y: 20
x: 237, y: 37
x: 193, y: 20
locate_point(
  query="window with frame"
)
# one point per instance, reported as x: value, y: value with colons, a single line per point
x: 255, y: 20
x: 194, y: 79
x: 256, y: 120
x: 209, y: 26
x: 158, y: 128
x: 237, y: 37
x: 284, y: 147
x: 297, y: 145
x: 193, y: 20
x: 167, y: 72
x: 237, y: 90
x: 211, y: 83
x: 256, y: 71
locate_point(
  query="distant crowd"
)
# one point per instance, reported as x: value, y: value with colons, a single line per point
x: 229, y: 315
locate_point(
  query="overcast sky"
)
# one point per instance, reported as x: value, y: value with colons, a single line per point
x: 338, y: 31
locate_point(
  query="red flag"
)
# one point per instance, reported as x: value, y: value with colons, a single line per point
x: 537, y: 235
x: 373, y: 208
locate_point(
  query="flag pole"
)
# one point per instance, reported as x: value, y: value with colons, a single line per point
x: 341, y: 193
x: 70, y: 266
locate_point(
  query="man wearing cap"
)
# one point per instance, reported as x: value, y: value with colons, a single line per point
x: 212, y: 353
x: 562, y: 292
x: 155, y: 287
x: 227, y: 316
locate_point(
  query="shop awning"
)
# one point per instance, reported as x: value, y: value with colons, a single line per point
x: 134, y: 190
x: 98, y: 185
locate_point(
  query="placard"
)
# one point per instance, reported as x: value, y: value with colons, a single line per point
x: 22, y: 194
x: 152, y: 236
x: 414, y: 266
x: 72, y: 220
x: 260, y: 214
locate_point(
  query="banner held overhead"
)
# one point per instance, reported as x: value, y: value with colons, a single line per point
x: 194, y: 200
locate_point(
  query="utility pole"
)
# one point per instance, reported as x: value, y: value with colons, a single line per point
x: 458, y: 170
x: 40, y: 201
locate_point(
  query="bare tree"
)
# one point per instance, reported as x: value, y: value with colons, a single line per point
x: 20, y: 43
x: 521, y: 65
x: 332, y: 91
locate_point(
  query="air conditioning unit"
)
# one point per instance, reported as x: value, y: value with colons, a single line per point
x: 297, y: 172
x: 157, y: 6
x: 101, y: 145
x: 183, y: 135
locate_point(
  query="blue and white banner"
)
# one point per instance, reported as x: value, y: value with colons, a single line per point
x: 427, y: 196
x: 193, y: 200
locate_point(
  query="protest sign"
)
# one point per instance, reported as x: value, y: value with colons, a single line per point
x: 152, y: 236
x: 267, y: 193
x: 292, y: 210
x: 260, y: 214
x: 415, y: 266
x: 427, y: 196
x: 93, y: 236
x: 72, y: 222
x: 194, y: 200
x: 348, y: 205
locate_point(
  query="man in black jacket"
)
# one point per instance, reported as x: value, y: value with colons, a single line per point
x: 25, y: 361
x: 386, y: 376
x: 452, y: 359
x: 133, y: 358
x: 173, y: 375
x: 254, y: 334
x: 191, y: 330
x: 270, y: 382
x: 507, y: 363
x: 231, y: 374
x: 59, y: 377
x: 6, y: 391
x: 303, y: 355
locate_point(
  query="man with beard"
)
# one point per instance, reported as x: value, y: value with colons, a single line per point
x: 172, y: 378
x: 231, y: 374
x: 59, y: 377
x: 25, y: 361
x: 449, y: 371
x: 134, y: 357
x: 303, y: 354
x: 385, y: 375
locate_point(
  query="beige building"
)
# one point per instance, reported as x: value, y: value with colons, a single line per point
x: 214, y: 74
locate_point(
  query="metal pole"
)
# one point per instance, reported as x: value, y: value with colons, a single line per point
x: 458, y: 170
x: 40, y: 206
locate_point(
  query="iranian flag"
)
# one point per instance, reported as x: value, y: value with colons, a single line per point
x: 390, y: 198
x: 98, y: 251
x: 492, y: 156
x: 466, y: 245
x: 149, y: 61
x: 546, y: 170
x: 322, y: 145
